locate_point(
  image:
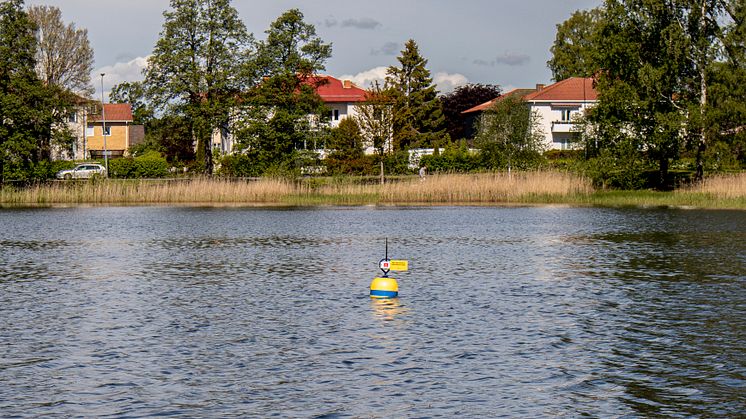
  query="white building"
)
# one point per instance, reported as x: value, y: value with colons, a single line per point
x: 558, y: 105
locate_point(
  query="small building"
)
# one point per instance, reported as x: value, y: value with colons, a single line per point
x: 558, y: 106
x: 117, y: 122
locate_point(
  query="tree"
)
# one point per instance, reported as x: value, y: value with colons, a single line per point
x: 375, y: 117
x: 26, y: 105
x: 418, y: 116
x: 346, y: 141
x: 64, y: 57
x: 574, y: 52
x: 287, y: 63
x: 199, y: 67
x: 510, y: 135
x: 462, y: 98
x: 653, y: 88
x: 134, y: 94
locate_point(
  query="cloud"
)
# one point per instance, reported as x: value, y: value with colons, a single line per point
x: 365, y: 23
x: 512, y: 59
x: 118, y: 73
x: 446, y: 82
x: 362, y: 23
x: 389, y: 49
x: 366, y: 78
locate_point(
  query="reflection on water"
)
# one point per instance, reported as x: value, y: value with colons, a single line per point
x: 519, y: 312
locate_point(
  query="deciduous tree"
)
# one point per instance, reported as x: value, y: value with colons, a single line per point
x: 199, y: 66
x: 64, y: 56
x: 376, y: 118
x: 462, y: 98
x: 26, y: 105
x: 575, y: 49
x: 510, y: 135
x: 287, y: 64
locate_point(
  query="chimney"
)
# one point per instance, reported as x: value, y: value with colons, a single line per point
x: 347, y: 84
x: 540, y: 87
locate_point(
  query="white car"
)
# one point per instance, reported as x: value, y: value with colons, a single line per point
x: 83, y: 171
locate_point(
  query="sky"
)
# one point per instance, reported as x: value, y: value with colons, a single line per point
x: 503, y: 42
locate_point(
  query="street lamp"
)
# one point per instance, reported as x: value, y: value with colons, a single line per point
x: 103, y: 122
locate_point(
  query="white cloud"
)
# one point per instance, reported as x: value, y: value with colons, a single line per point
x: 446, y: 82
x: 368, y: 77
x: 120, y: 72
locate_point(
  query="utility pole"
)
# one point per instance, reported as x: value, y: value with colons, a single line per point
x: 103, y: 122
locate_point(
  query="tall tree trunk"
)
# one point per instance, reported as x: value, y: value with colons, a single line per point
x: 663, y: 173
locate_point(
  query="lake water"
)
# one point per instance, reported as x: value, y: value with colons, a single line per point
x: 256, y: 312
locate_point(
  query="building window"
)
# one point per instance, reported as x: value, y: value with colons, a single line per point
x: 89, y: 131
x: 336, y: 114
x: 72, y: 117
x: 566, y: 115
x: 107, y: 131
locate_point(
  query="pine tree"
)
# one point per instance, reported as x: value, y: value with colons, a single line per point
x: 418, y: 115
x: 198, y: 67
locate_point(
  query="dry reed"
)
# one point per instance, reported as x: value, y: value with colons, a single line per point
x: 722, y: 186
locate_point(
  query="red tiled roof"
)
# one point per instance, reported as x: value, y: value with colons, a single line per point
x: 574, y: 88
x: 336, y: 91
x: 488, y: 104
x: 119, y: 112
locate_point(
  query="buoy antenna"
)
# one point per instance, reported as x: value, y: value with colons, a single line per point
x: 387, y: 247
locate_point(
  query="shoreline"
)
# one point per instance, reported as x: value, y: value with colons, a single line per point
x: 527, y: 189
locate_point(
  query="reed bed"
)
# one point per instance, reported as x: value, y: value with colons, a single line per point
x: 451, y: 189
x: 475, y: 188
x: 723, y: 186
x: 201, y: 190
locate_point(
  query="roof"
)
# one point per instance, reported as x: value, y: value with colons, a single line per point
x: 115, y: 112
x: 488, y: 104
x: 336, y: 91
x: 572, y: 89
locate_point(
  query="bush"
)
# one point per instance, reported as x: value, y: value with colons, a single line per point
x: 240, y: 165
x: 454, y: 158
x: 150, y: 165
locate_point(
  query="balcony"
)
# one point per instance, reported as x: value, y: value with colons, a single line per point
x: 563, y: 126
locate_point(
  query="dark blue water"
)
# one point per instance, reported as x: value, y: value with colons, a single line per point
x: 234, y: 312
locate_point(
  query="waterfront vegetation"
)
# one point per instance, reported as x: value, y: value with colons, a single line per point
x: 521, y: 188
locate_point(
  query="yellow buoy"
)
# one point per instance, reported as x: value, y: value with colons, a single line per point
x: 384, y: 288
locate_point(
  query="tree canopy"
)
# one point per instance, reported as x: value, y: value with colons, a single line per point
x: 418, y: 115
x: 199, y: 67
x: 64, y: 56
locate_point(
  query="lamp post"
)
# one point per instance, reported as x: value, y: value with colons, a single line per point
x: 103, y: 122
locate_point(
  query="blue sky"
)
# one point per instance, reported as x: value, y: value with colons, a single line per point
x: 504, y: 42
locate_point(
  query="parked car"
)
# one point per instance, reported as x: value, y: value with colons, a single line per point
x: 83, y: 171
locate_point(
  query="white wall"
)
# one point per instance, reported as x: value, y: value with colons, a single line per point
x: 557, y: 133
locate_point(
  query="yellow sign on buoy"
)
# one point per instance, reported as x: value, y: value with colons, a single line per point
x: 399, y: 265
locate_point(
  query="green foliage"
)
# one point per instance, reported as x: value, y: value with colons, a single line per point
x: 28, y: 108
x: 198, y: 66
x: 346, y: 141
x: 418, y: 115
x: 510, y: 136
x: 574, y: 52
x: 456, y: 157
x: 149, y: 165
x: 459, y: 126
x: 134, y: 94
x: 240, y: 165
x: 277, y: 122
